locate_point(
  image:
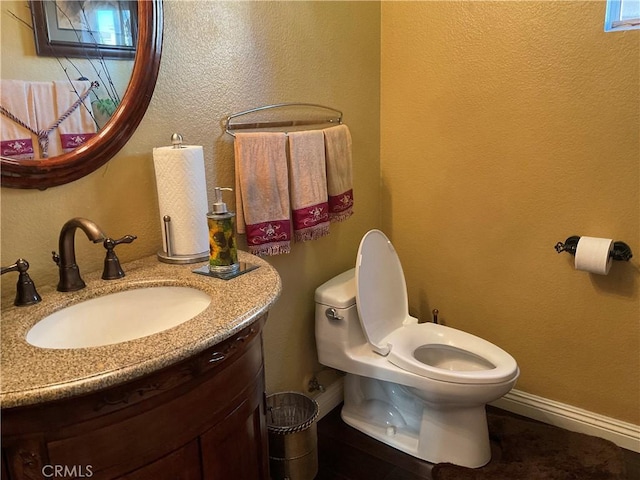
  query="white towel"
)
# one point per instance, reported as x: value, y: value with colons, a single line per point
x: 44, y: 101
x: 308, y: 179
x: 79, y: 126
x: 17, y: 141
x: 339, y: 172
x: 262, y: 191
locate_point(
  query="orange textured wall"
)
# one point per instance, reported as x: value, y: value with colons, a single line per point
x: 505, y: 128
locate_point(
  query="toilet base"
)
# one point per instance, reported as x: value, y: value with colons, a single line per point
x: 394, y: 415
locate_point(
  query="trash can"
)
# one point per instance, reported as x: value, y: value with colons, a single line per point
x: 291, y: 423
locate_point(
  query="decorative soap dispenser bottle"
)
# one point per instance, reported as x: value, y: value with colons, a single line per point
x: 223, y: 253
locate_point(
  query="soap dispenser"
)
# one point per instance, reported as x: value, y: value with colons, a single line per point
x: 223, y: 253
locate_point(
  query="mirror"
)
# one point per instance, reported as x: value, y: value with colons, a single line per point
x: 53, y: 171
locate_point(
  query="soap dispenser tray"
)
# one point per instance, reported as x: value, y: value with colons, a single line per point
x: 244, y: 268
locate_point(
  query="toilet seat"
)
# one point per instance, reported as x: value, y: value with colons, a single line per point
x: 381, y: 291
x: 429, y: 350
x: 444, y: 353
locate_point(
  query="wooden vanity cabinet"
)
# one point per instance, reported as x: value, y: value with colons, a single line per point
x: 202, y: 418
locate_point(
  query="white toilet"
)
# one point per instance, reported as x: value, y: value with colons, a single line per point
x: 421, y: 388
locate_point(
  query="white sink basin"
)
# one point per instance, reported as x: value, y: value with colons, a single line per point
x: 118, y: 317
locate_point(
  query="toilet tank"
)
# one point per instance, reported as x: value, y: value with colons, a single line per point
x: 339, y: 292
x: 337, y: 331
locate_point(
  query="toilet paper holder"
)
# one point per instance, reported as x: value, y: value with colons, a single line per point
x: 621, y: 251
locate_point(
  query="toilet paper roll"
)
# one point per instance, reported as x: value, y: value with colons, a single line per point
x: 182, y: 194
x: 593, y: 255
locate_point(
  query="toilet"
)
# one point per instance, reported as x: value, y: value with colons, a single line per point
x: 418, y: 387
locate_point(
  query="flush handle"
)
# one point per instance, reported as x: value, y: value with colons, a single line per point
x: 332, y: 314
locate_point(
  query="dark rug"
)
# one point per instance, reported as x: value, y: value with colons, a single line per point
x: 528, y: 450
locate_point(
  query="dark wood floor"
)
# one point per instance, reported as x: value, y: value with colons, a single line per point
x: 344, y: 453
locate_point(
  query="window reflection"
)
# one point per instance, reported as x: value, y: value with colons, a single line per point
x: 95, y: 21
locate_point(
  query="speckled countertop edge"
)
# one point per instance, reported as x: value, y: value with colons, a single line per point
x: 32, y: 375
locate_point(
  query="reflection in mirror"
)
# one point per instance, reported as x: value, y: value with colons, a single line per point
x: 50, y: 106
x: 85, y: 29
x: 135, y: 78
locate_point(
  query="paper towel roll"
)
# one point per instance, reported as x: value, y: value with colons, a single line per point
x: 182, y: 194
x: 593, y: 255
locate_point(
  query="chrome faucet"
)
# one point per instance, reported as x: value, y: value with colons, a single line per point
x: 70, y: 279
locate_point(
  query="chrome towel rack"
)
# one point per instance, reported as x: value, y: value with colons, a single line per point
x: 230, y: 126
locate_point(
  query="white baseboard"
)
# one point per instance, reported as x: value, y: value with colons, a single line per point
x: 623, y: 434
x: 332, y: 396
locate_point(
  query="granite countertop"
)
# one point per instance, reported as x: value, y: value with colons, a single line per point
x: 32, y: 375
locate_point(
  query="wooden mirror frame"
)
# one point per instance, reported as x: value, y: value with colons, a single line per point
x: 50, y: 172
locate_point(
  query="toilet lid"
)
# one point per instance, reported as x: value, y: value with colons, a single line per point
x: 381, y: 291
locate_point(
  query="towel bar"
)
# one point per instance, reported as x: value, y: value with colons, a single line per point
x: 231, y: 127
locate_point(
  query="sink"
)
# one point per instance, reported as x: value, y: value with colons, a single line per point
x: 118, y: 317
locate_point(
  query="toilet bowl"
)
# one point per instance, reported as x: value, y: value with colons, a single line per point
x: 419, y: 387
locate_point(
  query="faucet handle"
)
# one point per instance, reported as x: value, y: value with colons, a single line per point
x: 26, y: 293
x: 112, y: 269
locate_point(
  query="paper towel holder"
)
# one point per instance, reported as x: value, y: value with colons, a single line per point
x: 167, y: 256
x: 176, y: 140
x: 621, y: 251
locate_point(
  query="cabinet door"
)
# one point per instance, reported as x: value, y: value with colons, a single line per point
x: 237, y: 447
x: 3, y: 469
x: 183, y: 464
